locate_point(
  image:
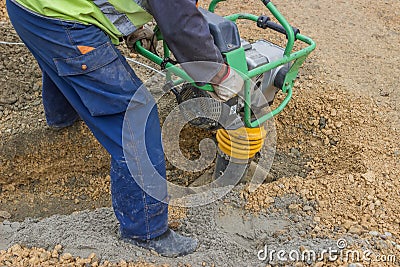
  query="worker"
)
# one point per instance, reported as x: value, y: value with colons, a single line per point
x: 86, y: 77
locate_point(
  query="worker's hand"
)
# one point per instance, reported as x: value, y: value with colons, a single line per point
x: 145, y: 35
x: 227, y: 84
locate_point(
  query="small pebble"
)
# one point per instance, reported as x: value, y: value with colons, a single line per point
x: 322, y: 123
x: 4, y: 214
x: 369, y: 176
x: 302, y: 233
x: 374, y: 233
x: 295, y: 152
x: 388, y: 234
x: 66, y: 256
x: 307, y: 208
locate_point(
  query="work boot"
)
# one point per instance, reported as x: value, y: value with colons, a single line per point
x: 59, y: 127
x: 169, y: 244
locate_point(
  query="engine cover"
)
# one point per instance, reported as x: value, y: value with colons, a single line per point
x: 258, y: 54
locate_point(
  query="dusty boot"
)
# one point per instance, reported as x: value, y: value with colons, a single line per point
x: 169, y: 244
x: 57, y: 128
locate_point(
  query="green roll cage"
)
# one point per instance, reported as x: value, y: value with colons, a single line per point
x: 237, y: 60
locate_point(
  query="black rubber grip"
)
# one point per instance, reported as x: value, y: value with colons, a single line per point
x: 265, y: 22
x: 279, y: 28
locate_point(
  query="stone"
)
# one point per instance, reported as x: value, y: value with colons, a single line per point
x: 269, y: 200
x: 338, y: 124
x: 326, y: 141
x: 322, y: 123
x: 333, y: 142
x: 295, y: 152
x: 328, y: 132
x: 66, y: 257
x: 347, y: 225
x: 293, y: 207
x: 374, y: 233
x: 302, y: 233
x: 369, y: 176
x: 355, y: 229
x: 388, y: 234
x: 307, y: 208
x: 5, y: 214
x: 54, y: 254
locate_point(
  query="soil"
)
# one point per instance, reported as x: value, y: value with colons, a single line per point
x: 335, y: 174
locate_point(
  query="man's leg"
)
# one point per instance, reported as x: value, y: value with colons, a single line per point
x: 99, y: 86
x: 59, y: 112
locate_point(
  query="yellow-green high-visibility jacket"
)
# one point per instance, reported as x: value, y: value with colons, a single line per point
x: 115, y: 17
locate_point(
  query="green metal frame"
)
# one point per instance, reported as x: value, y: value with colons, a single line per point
x: 237, y: 60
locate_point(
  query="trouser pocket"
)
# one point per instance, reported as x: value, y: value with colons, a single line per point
x: 101, y: 80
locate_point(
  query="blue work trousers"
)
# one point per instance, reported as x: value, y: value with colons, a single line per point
x: 85, y: 76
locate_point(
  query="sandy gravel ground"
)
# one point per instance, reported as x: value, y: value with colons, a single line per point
x: 335, y: 177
